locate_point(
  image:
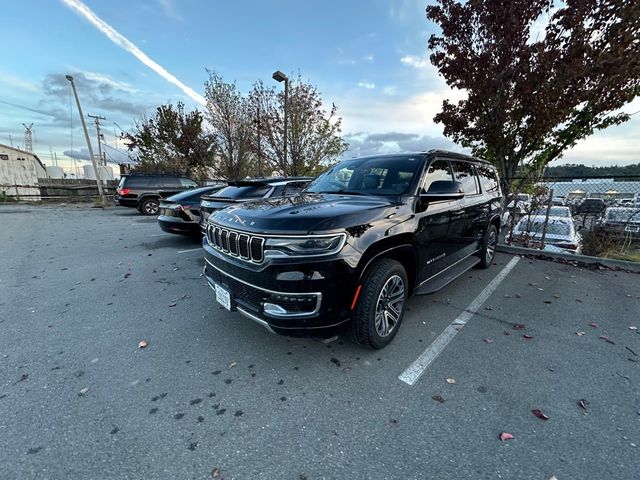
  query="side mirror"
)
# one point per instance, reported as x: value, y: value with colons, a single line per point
x: 443, y: 190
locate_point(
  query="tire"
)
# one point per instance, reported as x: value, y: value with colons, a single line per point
x: 372, y: 325
x: 150, y: 206
x: 488, y: 248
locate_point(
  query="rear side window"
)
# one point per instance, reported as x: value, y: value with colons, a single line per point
x: 438, y: 170
x: 466, y: 175
x: 135, y: 182
x: 488, y: 178
x: 188, y: 183
x: 165, y: 182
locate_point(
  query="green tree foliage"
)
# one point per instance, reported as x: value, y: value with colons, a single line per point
x: 533, y: 94
x: 576, y: 171
x: 313, y: 134
x: 173, y: 141
x: 230, y: 123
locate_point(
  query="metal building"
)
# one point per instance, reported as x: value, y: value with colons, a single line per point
x: 19, y: 173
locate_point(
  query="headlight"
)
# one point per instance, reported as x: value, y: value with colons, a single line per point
x: 304, y: 246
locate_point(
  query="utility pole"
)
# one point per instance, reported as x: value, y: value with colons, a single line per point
x: 28, y: 139
x: 86, y: 137
x: 97, y: 119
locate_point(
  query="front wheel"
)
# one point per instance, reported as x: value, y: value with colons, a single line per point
x: 151, y: 206
x: 381, y: 305
x: 488, y: 248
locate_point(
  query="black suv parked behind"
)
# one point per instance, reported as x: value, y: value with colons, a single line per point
x: 351, y: 248
x: 250, y: 190
x: 144, y: 192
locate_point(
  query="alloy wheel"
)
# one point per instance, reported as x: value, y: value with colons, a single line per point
x: 389, y: 305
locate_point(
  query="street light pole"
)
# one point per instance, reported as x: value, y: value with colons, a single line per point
x: 86, y: 136
x: 281, y: 77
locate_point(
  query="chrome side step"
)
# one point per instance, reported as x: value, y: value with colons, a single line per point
x: 445, y: 277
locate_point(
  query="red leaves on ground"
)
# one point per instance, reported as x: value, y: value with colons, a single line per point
x: 594, y: 325
x: 518, y: 326
x: 505, y: 436
x: 540, y: 414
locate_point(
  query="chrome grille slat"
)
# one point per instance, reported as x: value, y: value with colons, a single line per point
x: 236, y: 243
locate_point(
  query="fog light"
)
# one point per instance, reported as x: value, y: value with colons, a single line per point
x: 273, y: 309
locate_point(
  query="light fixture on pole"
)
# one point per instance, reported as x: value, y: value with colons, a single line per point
x: 278, y: 76
x: 86, y: 136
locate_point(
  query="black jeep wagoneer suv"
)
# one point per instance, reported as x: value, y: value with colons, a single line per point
x: 355, y: 244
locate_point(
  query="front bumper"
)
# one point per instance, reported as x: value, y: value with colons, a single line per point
x: 300, y: 299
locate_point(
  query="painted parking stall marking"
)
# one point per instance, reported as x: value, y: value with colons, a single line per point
x: 190, y: 250
x: 411, y: 375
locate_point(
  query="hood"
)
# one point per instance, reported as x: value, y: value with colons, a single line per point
x: 306, y: 213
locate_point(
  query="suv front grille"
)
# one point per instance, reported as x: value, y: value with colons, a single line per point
x: 237, y: 244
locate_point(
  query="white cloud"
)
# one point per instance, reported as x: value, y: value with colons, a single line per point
x: 367, y: 85
x: 17, y: 82
x: 369, y: 58
x: 415, y: 61
x: 120, y: 40
x: 390, y: 90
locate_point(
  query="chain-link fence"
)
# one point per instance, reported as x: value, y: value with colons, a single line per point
x: 592, y: 216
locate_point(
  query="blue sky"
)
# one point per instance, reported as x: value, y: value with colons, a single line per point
x: 369, y: 57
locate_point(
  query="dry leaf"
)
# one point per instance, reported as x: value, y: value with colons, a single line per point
x: 215, y: 473
x: 84, y: 390
x: 527, y: 337
x: 438, y: 398
x: 555, y: 295
x: 451, y: 380
x: 633, y: 327
x: 232, y: 364
x: 594, y: 325
x: 142, y: 344
x: 488, y: 340
x: 127, y: 275
x: 538, y: 413
x: 505, y: 436
x: 552, y: 477
x: 518, y: 326
x: 606, y: 339
x: 583, y: 403
x: 580, y: 334
x: 173, y: 304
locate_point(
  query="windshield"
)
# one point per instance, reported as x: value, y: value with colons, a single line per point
x: 554, y: 212
x: 535, y: 228
x: 245, y: 191
x: 385, y: 175
x: 623, y: 214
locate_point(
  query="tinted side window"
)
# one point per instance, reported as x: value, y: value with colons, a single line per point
x: 488, y: 177
x: 136, y: 182
x: 188, y: 183
x: 438, y: 170
x: 466, y: 175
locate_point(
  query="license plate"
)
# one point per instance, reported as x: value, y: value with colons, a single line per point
x: 223, y: 296
x: 631, y: 228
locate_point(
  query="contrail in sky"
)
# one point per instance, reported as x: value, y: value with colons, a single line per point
x: 120, y: 40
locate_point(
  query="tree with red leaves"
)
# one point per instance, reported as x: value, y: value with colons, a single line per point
x: 538, y: 77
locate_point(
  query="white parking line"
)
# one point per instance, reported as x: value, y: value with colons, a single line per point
x: 190, y: 250
x: 411, y: 375
x: 159, y: 234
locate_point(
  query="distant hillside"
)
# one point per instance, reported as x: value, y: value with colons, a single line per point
x: 572, y: 170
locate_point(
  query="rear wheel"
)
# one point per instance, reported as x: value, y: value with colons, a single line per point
x: 381, y: 305
x: 150, y: 206
x: 488, y: 249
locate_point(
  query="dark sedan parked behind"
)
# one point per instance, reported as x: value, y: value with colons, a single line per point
x: 250, y: 190
x: 180, y: 213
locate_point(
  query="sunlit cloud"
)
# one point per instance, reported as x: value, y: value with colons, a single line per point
x: 415, y: 61
x: 367, y: 85
x: 124, y: 43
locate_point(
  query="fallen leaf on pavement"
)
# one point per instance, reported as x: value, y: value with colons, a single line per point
x: 552, y: 477
x: 506, y: 333
x: 594, y: 325
x: 438, y: 398
x: 215, y: 473
x: 84, y: 390
x: 633, y: 327
x: 606, y: 339
x: 505, y: 436
x: 488, y: 340
x: 527, y: 337
x: 583, y: 403
x: 538, y: 413
x: 173, y: 304
x: 578, y: 300
x: 451, y: 380
x: 580, y: 334
x: 555, y: 295
x: 127, y: 275
x: 518, y: 326
x: 232, y: 364
x: 143, y: 344
x: 488, y: 308
x: 547, y: 301
x: 518, y: 295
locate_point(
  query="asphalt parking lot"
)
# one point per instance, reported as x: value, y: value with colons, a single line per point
x: 215, y: 394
